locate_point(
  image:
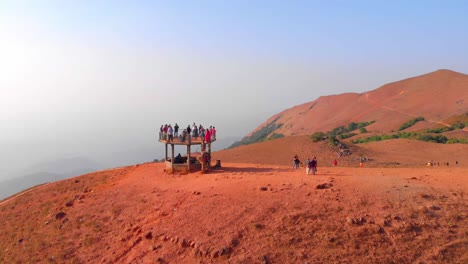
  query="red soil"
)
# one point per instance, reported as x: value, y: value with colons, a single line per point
x: 242, y: 213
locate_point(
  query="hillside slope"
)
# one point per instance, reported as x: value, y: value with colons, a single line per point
x: 394, y: 152
x: 435, y: 96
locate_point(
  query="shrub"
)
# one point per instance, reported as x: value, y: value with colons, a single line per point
x: 458, y: 125
x: 410, y: 135
x: 410, y: 123
x: 275, y: 136
x: 363, y: 130
x: 352, y: 126
x: 347, y: 135
x: 333, y: 141
x: 457, y: 140
x: 431, y: 138
x: 439, y: 130
x: 317, y: 136
x: 338, y: 130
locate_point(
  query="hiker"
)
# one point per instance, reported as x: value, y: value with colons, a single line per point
x: 194, y: 130
x: 176, y: 130
x: 313, y: 165
x: 178, y: 159
x: 170, y: 132
x: 188, y: 129
x: 161, y: 132
x: 165, y: 132
x: 201, y: 131
x: 335, y: 163
x: 207, y: 136
x: 213, y: 133
x: 296, y: 162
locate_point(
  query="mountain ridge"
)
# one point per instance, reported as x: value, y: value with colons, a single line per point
x: 436, y: 96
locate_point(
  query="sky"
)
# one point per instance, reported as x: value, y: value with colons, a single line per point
x: 96, y: 79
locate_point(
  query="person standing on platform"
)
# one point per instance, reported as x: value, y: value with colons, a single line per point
x: 207, y: 136
x: 170, y: 132
x: 176, y: 130
x: 188, y: 131
x: 213, y: 134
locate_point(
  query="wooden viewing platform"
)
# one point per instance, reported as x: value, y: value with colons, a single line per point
x: 190, y: 162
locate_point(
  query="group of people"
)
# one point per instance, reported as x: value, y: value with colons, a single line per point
x: 168, y: 132
x: 432, y: 163
x: 310, y: 165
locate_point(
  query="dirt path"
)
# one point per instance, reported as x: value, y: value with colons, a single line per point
x: 381, y: 105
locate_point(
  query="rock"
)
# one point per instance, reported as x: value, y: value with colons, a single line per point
x: 226, y: 250
x: 184, y: 243
x: 214, y: 254
x: 387, y: 222
x: 324, y: 186
x: 263, y: 189
x: 69, y: 204
x: 356, y: 221
x: 60, y: 215
x: 381, y: 230
x: 264, y: 259
x: 149, y: 235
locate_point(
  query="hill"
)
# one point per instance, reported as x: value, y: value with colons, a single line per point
x: 393, y: 153
x: 435, y: 96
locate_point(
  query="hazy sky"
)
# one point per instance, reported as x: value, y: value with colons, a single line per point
x: 98, y: 78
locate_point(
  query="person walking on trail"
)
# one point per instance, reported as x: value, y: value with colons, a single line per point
x: 313, y: 165
x: 307, y: 166
x: 335, y: 163
x: 296, y: 162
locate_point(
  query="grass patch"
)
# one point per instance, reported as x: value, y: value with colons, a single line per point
x: 410, y: 123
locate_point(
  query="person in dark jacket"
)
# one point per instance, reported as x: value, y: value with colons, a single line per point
x: 313, y: 165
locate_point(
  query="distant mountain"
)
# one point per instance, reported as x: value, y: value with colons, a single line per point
x: 64, y: 165
x: 48, y: 172
x: 436, y: 96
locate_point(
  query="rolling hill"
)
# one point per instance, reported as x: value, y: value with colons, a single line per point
x: 436, y: 96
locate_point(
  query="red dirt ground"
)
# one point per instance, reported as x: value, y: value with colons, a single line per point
x: 242, y: 213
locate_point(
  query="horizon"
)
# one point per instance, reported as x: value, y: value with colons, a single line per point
x: 96, y: 80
